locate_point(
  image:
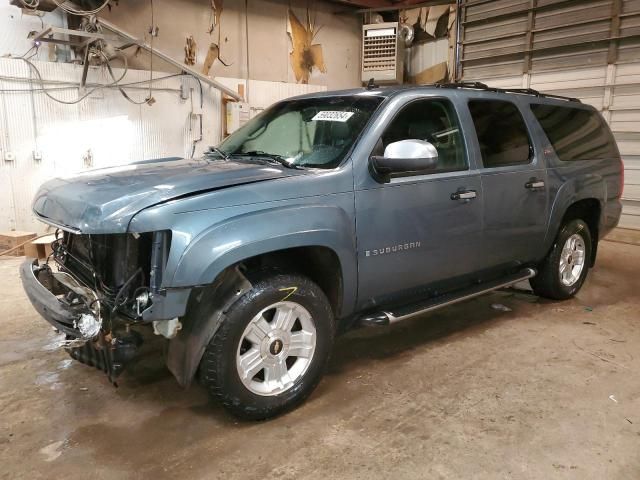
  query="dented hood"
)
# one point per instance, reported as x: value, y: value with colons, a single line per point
x: 104, y: 200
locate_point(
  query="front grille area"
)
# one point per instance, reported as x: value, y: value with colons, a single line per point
x: 115, y: 266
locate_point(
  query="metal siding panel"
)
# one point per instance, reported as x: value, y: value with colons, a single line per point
x: 424, y: 55
x: 570, y: 76
x: 628, y: 51
x: 572, y: 35
x: 545, y: 62
x: 494, y: 29
x: 576, y: 12
x: 630, y: 6
x: 507, y: 82
x: 488, y: 10
x: 482, y: 72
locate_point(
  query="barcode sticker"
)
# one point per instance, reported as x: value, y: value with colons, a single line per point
x: 333, y: 116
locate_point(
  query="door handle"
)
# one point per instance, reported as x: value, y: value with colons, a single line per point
x: 464, y: 195
x: 534, y: 184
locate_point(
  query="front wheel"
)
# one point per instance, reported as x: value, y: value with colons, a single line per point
x: 272, y: 348
x: 564, y: 270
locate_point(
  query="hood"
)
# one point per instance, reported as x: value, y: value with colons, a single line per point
x: 104, y: 200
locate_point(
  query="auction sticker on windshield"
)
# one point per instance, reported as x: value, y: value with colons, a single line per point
x: 333, y: 116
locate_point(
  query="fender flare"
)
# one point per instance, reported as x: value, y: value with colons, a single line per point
x: 583, y: 187
x: 205, y: 314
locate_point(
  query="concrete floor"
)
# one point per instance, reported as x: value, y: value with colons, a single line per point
x: 548, y: 390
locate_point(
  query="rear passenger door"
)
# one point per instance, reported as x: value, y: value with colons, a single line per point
x: 514, y: 184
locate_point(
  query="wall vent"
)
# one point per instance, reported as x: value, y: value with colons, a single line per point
x: 380, y: 58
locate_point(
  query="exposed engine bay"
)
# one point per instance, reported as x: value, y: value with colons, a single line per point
x: 104, y: 283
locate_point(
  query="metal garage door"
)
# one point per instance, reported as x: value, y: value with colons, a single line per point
x: 588, y: 49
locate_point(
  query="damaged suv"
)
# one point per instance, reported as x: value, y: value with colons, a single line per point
x: 327, y: 211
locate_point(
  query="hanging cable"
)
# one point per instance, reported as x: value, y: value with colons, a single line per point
x: 73, y: 86
x: 78, y: 100
x: 24, y: 55
x: 82, y: 13
x: 116, y: 82
x: 30, y: 4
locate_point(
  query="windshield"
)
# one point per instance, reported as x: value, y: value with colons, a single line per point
x: 314, y: 132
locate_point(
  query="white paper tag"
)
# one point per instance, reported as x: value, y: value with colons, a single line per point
x: 333, y: 116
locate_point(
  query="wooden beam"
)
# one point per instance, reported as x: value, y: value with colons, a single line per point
x: 614, y: 31
x: 526, y: 65
x: 387, y: 5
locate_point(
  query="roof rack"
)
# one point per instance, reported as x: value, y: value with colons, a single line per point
x: 485, y: 87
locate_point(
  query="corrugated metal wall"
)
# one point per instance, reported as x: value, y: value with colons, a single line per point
x: 424, y: 55
x: 105, y: 126
x: 588, y: 49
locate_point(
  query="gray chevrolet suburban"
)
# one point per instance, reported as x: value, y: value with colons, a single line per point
x: 327, y: 211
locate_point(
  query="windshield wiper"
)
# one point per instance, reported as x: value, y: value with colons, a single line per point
x: 222, y: 153
x: 270, y: 156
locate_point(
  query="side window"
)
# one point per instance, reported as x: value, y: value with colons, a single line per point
x: 502, y: 133
x: 576, y: 133
x: 434, y: 121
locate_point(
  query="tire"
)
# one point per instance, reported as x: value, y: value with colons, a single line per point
x: 285, y: 380
x: 550, y: 282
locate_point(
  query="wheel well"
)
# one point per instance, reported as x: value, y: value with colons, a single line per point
x: 319, y: 264
x: 587, y: 210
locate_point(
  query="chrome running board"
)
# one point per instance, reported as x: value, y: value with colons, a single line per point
x: 387, y: 317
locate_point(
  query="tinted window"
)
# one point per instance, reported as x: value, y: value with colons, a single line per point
x: 576, y: 134
x: 433, y: 121
x: 502, y: 134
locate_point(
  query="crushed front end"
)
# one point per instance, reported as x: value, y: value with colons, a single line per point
x: 96, y: 289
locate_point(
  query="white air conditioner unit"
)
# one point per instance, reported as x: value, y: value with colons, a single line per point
x: 381, y: 58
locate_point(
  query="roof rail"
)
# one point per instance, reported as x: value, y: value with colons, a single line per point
x: 485, y: 87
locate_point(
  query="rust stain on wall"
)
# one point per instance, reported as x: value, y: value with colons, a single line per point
x: 305, y: 55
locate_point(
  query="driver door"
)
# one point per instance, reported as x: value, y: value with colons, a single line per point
x: 414, y: 231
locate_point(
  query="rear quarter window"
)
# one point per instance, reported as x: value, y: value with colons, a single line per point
x: 575, y: 133
x: 502, y: 134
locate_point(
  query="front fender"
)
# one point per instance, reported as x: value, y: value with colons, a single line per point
x: 277, y: 228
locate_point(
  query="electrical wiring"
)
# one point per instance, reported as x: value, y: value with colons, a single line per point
x: 31, y: 5
x: 75, y: 87
x: 81, y: 13
x: 150, y: 100
x: 117, y: 85
x: 72, y: 85
x: 28, y: 51
x: 69, y: 102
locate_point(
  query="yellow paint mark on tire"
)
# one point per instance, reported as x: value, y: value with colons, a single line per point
x: 291, y: 291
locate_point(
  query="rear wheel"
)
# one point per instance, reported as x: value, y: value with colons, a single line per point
x: 272, y: 348
x: 564, y: 270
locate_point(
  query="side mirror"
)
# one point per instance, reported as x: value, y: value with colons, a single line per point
x: 406, y: 156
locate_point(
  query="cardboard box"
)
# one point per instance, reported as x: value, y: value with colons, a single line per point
x: 40, y: 248
x: 9, y: 240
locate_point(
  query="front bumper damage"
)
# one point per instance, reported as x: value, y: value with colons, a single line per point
x: 109, y: 350
x: 101, y: 291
